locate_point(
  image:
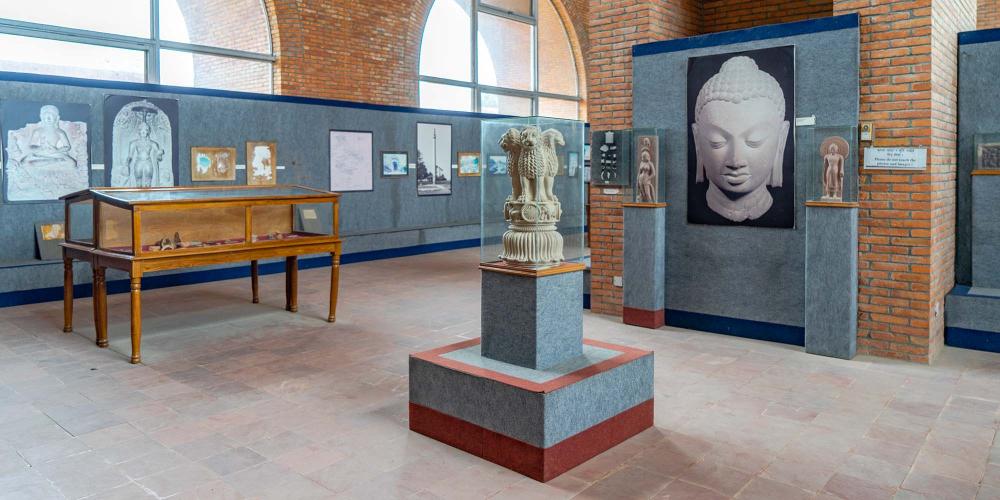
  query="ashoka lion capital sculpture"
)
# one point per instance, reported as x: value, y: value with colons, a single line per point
x: 532, y: 209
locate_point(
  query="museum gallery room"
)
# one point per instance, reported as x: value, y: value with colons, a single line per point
x: 511, y: 249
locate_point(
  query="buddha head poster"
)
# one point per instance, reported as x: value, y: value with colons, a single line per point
x: 741, y: 143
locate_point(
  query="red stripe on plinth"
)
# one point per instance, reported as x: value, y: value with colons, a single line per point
x: 540, y: 464
x: 643, y: 317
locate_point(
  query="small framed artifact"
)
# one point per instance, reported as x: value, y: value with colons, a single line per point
x: 262, y: 163
x: 867, y: 132
x: 988, y: 156
x: 213, y: 164
x: 469, y: 164
x: 49, y: 235
x: 395, y: 164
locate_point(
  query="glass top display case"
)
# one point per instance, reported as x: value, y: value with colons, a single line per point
x: 533, y: 183
x: 157, y: 222
x: 832, y: 162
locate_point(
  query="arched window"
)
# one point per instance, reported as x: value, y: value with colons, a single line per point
x: 221, y: 44
x: 520, y: 61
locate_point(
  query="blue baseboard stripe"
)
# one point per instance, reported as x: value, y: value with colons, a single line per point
x: 979, y: 36
x: 23, y: 297
x: 759, y: 330
x: 748, y: 35
x: 972, y: 339
x: 586, y: 301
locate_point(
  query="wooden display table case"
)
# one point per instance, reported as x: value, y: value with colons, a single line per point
x: 156, y: 229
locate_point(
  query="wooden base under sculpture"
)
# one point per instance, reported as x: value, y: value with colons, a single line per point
x: 532, y: 238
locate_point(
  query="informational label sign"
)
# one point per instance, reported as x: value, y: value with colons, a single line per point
x: 896, y: 158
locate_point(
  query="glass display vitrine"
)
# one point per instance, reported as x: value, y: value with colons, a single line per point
x: 501, y: 181
x: 649, y: 177
x: 611, y: 158
x: 151, y: 222
x: 832, y: 162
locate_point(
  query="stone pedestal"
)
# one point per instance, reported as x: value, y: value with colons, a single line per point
x: 645, y: 262
x: 985, y: 229
x: 831, y: 299
x: 532, y: 395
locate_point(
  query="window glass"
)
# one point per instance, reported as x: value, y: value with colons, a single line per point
x: 447, y: 97
x: 130, y: 17
x: 446, y: 49
x: 520, y: 7
x: 505, y: 53
x: 559, y: 108
x: 504, y: 104
x: 52, y: 57
x: 556, y: 65
x: 230, y: 24
x: 186, y: 69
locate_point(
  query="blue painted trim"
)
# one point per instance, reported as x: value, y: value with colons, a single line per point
x: 972, y: 339
x: 229, y: 94
x: 586, y: 301
x: 759, y: 330
x: 979, y: 36
x: 748, y: 35
x: 960, y: 290
x: 22, y: 297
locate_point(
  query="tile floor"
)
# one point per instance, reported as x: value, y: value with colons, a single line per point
x: 240, y: 400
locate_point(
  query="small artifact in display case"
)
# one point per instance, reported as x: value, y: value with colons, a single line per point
x: 834, y: 150
x: 988, y: 156
x: 611, y: 157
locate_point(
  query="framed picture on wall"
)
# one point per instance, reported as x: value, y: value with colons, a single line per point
x: 395, y: 164
x: 49, y: 235
x: 572, y: 164
x: 433, y: 159
x: 140, y: 141
x: 48, y: 150
x: 469, y: 164
x: 741, y: 105
x: 352, y: 155
x: 213, y: 164
x: 262, y: 163
x: 497, y: 165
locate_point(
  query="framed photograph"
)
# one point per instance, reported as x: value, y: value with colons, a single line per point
x: 572, y: 163
x: 395, y: 164
x: 262, y: 163
x: 213, y: 164
x: 433, y: 159
x: 469, y: 164
x: 48, y: 150
x: 988, y: 156
x: 741, y: 105
x: 352, y: 155
x: 140, y: 141
x: 497, y: 165
x: 49, y: 235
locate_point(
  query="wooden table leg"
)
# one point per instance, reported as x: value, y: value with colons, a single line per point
x: 67, y: 294
x: 292, y: 284
x: 101, y: 307
x: 334, y: 286
x: 254, y: 275
x: 135, y: 285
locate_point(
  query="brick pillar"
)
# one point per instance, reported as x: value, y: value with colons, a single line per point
x: 988, y: 16
x: 907, y: 225
x: 615, y: 26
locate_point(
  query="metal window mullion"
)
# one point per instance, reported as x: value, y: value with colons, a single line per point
x: 493, y: 11
x: 58, y: 33
x: 474, y: 22
x: 218, y: 51
x: 153, y: 54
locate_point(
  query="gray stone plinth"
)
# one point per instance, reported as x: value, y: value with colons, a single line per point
x: 532, y: 321
x: 831, y: 315
x: 986, y: 231
x: 645, y: 257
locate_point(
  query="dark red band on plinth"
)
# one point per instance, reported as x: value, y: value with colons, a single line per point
x: 540, y: 464
x: 642, y: 317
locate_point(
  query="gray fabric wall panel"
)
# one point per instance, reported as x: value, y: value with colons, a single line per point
x: 390, y: 216
x: 739, y: 272
x: 986, y: 231
x: 832, y: 281
x: 978, y: 97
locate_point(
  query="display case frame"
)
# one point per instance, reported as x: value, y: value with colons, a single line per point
x: 138, y: 259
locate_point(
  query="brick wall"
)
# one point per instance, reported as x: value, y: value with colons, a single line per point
x: 723, y: 15
x: 232, y: 24
x: 989, y: 14
x: 615, y: 26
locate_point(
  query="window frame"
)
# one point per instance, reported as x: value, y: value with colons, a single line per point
x: 149, y: 46
x: 477, y: 7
